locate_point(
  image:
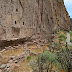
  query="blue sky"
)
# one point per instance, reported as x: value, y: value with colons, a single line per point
x: 68, y: 4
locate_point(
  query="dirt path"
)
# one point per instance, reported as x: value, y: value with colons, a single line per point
x: 68, y: 39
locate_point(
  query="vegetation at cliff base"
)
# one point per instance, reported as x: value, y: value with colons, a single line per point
x: 28, y: 57
x: 44, y: 62
x: 65, y: 59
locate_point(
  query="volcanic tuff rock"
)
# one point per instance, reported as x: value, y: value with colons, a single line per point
x: 25, y: 18
x: 71, y: 23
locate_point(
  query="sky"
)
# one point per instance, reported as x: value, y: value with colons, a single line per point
x: 68, y: 4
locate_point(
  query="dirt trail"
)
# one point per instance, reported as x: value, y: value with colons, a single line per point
x: 68, y: 39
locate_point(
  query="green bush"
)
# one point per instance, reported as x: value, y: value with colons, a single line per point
x: 65, y: 32
x: 71, y: 40
x: 64, y: 58
x: 70, y: 33
x: 44, y: 61
x: 50, y: 57
x: 70, y: 46
x: 28, y: 57
x: 62, y: 37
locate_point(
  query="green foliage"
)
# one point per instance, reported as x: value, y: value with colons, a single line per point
x: 70, y: 33
x: 70, y: 46
x: 28, y: 57
x: 64, y: 58
x: 43, y: 62
x: 50, y: 57
x: 33, y: 66
x: 38, y: 64
x: 57, y: 33
x: 62, y: 38
x: 70, y: 28
x: 64, y: 32
x: 71, y: 40
x: 56, y: 46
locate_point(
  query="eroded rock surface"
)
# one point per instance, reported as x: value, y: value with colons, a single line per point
x: 24, y: 21
x: 25, y: 18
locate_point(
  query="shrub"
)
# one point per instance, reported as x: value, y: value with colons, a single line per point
x: 65, y: 59
x: 28, y: 57
x: 65, y: 32
x: 50, y: 57
x: 62, y: 37
x: 70, y: 33
x: 71, y: 40
x: 45, y: 61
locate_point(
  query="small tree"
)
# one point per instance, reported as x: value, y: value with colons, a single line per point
x: 51, y: 59
x: 37, y: 65
x: 65, y: 58
x: 44, y: 61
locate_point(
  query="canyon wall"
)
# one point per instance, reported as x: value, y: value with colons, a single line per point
x: 26, y: 18
x: 70, y: 23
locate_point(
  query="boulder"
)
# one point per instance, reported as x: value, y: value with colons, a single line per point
x: 3, y: 66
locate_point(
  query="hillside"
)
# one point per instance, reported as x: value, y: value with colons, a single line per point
x: 28, y: 30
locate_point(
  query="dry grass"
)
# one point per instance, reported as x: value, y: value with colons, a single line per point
x: 12, y: 52
x: 3, y: 60
x: 24, y: 64
x: 38, y: 50
x: 4, y: 57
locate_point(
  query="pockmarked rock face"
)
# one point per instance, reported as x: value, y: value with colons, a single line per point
x: 25, y: 18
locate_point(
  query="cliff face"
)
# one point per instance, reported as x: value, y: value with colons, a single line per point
x: 70, y: 23
x: 25, y: 18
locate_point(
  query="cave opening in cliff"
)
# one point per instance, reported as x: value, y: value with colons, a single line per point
x: 15, y: 22
x: 16, y: 10
x: 23, y: 23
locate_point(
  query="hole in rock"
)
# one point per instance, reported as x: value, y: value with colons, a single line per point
x: 16, y: 10
x: 15, y: 22
x: 23, y: 23
x: 16, y: 62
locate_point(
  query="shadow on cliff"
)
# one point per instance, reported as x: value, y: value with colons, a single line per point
x: 5, y: 43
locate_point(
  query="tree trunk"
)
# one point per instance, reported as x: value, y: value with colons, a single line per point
x: 69, y: 70
x: 51, y: 67
x: 48, y: 68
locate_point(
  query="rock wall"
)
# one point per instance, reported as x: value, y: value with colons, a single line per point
x: 70, y: 23
x: 25, y: 18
